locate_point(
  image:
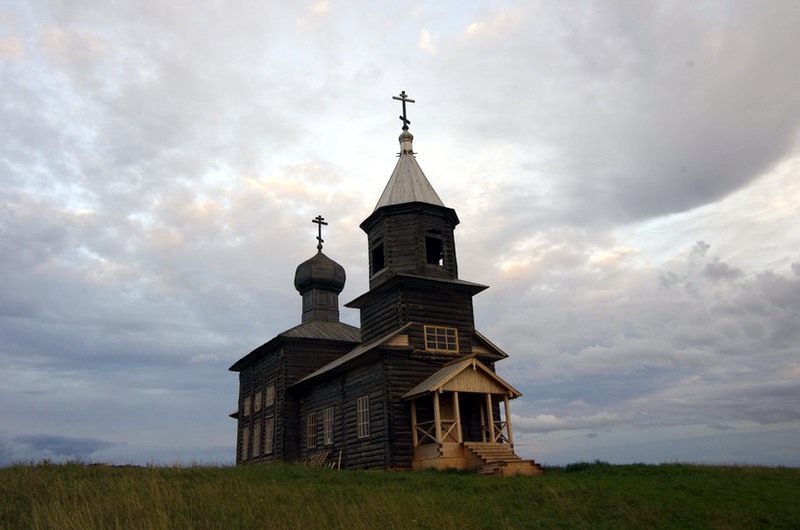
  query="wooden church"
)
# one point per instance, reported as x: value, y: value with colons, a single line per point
x: 415, y: 387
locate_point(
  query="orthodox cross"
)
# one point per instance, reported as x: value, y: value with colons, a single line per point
x: 319, y: 220
x: 404, y: 98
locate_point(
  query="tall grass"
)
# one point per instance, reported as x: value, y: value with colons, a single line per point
x: 282, y: 496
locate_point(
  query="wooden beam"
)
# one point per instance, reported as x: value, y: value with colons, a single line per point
x: 490, y: 415
x: 483, y: 424
x: 437, y: 417
x: 414, y: 435
x: 508, y: 421
x: 459, y: 435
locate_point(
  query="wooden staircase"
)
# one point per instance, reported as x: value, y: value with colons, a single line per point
x: 499, y: 460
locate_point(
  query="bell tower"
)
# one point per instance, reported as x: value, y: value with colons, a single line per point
x: 412, y: 252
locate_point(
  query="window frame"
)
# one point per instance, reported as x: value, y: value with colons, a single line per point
x: 256, y: 448
x: 311, y: 430
x: 244, y: 447
x: 362, y: 417
x: 327, y: 426
x: 269, y: 395
x: 437, y: 338
x: 269, y: 435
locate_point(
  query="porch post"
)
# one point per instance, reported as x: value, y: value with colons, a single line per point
x: 508, y: 421
x: 490, y: 414
x: 459, y: 436
x: 437, y: 416
x: 483, y: 425
x: 414, y: 435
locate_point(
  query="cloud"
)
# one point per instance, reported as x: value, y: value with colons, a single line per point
x: 37, y: 447
x: 625, y: 178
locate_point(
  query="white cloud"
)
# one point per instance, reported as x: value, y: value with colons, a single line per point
x: 160, y: 165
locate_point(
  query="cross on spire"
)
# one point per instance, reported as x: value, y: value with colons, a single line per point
x: 403, y: 97
x: 319, y: 220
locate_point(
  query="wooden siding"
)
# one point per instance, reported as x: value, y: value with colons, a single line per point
x: 437, y: 303
x: 381, y: 315
x: 474, y: 381
x: 282, y: 366
x: 402, y: 374
x: 402, y: 230
x: 254, y: 380
x: 341, y: 393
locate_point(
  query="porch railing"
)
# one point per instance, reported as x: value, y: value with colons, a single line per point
x: 426, y: 431
x: 499, y: 432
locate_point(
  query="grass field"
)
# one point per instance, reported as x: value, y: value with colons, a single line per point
x: 282, y: 496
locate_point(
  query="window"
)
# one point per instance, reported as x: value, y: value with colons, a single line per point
x: 244, y: 443
x: 269, y: 434
x: 441, y: 338
x: 433, y: 250
x: 327, y: 426
x: 269, y: 397
x: 378, y: 260
x: 257, y: 402
x: 362, y: 413
x: 311, y: 430
x: 246, y: 406
x: 256, y: 440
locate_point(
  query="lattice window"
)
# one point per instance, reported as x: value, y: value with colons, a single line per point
x: 362, y: 413
x: 327, y: 426
x: 440, y: 338
x: 269, y: 435
x: 311, y: 430
x: 269, y: 396
x: 256, y: 440
x: 244, y: 444
x: 257, y: 402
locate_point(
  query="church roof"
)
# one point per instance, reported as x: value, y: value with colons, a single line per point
x: 408, y: 183
x: 313, y: 329
x: 456, y: 376
x: 358, y: 351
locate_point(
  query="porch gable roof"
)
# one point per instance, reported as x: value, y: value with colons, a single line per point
x: 455, y: 376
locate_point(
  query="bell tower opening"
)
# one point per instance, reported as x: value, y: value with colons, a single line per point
x: 434, y: 248
x: 378, y: 259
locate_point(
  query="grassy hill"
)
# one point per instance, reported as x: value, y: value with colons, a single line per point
x: 281, y: 496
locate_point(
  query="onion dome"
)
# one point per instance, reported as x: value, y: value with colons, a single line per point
x: 319, y: 272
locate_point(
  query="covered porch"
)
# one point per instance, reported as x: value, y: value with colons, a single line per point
x: 460, y: 419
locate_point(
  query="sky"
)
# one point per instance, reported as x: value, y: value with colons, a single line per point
x: 627, y: 175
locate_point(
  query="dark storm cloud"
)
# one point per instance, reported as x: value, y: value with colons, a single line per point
x: 633, y: 111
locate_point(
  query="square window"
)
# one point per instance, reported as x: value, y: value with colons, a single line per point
x: 440, y: 338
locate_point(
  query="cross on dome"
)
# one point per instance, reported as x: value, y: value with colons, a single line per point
x: 319, y: 220
x: 403, y: 97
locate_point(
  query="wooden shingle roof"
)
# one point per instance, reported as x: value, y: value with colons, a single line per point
x: 408, y: 183
x: 314, y: 330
